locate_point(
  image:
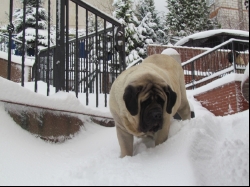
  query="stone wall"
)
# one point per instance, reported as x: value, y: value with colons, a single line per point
x: 49, y: 124
x: 16, y: 71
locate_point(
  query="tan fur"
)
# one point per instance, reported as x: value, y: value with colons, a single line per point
x: 159, y: 70
x: 239, y: 60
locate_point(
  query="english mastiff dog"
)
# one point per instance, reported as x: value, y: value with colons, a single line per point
x: 144, y: 98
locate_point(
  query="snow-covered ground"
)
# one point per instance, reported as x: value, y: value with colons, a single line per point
x: 206, y: 150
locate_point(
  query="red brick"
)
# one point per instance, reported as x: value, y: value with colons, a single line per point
x: 218, y: 100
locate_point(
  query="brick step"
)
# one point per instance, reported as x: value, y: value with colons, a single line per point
x: 224, y: 100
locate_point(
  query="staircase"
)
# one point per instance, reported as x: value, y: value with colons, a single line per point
x: 203, y: 66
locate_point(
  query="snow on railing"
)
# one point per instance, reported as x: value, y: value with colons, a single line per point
x: 212, y: 50
x: 215, y: 63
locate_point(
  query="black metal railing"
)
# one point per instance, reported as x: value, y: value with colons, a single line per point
x: 215, y: 63
x: 230, y: 56
x: 87, y: 63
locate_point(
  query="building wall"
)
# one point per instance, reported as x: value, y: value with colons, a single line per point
x: 230, y: 14
x: 224, y: 100
x: 103, y: 5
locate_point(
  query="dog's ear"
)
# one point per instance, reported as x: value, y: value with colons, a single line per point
x: 130, y: 98
x: 172, y: 96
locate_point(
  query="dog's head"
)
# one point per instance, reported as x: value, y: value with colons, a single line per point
x: 238, y: 58
x: 149, y: 102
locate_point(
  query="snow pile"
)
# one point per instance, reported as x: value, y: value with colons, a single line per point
x: 173, y: 53
x: 206, y: 150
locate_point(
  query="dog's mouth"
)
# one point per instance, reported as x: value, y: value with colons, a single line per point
x: 151, y: 121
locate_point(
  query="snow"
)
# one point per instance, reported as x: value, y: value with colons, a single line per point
x: 172, y: 52
x: 17, y: 59
x: 224, y: 80
x: 209, y: 33
x: 206, y: 150
x: 245, y: 75
x: 161, y: 6
x: 211, y: 50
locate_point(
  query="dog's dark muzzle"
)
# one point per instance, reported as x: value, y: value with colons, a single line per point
x: 156, y: 117
x: 152, y: 121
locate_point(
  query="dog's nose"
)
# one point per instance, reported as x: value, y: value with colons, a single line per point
x: 157, y: 115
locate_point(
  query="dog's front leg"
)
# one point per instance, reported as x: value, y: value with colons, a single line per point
x: 162, y: 135
x: 126, y: 142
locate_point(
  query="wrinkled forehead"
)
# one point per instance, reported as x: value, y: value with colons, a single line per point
x: 152, y: 90
x: 150, y: 86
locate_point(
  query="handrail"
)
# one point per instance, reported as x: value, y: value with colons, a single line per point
x: 13, y: 39
x: 70, y: 60
x: 80, y: 38
x: 215, y: 61
x: 230, y: 69
x: 213, y: 49
x: 96, y: 11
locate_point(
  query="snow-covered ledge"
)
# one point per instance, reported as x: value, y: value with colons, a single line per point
x: 219, y: 82
x: 29, y: 61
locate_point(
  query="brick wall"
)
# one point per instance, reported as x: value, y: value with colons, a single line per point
x: 213, y: 62
x: 224, y: 100
x: 49, y: 125
x: 186, y: 53
x: 16, y: 71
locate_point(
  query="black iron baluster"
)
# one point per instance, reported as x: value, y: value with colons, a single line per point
x: 67, y: 46
x: 48, y: 51
x: 87, y: 59
x: 10, y: 30
x: 105, y: 63
x: 97, y: 58
x: 36, y: 47
x: 76, y: 54
x: 23, y: 40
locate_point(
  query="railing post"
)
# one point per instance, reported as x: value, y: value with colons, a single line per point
x: 59, y: 62
x: 234, y: 63
x: 37, y: 61
x: 76, y: 72
x: 193, y: 75
x: 123, y: 49
x: 120, y: 46
x: 48, y: 51
x: 10, y: 30
x: 23, y: 42
x: 67, y: 45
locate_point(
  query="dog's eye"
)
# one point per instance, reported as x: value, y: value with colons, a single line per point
x: 147, y: 102
x: 159, y: 100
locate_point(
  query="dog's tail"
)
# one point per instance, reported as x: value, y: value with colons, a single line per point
x: 173, y: 53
